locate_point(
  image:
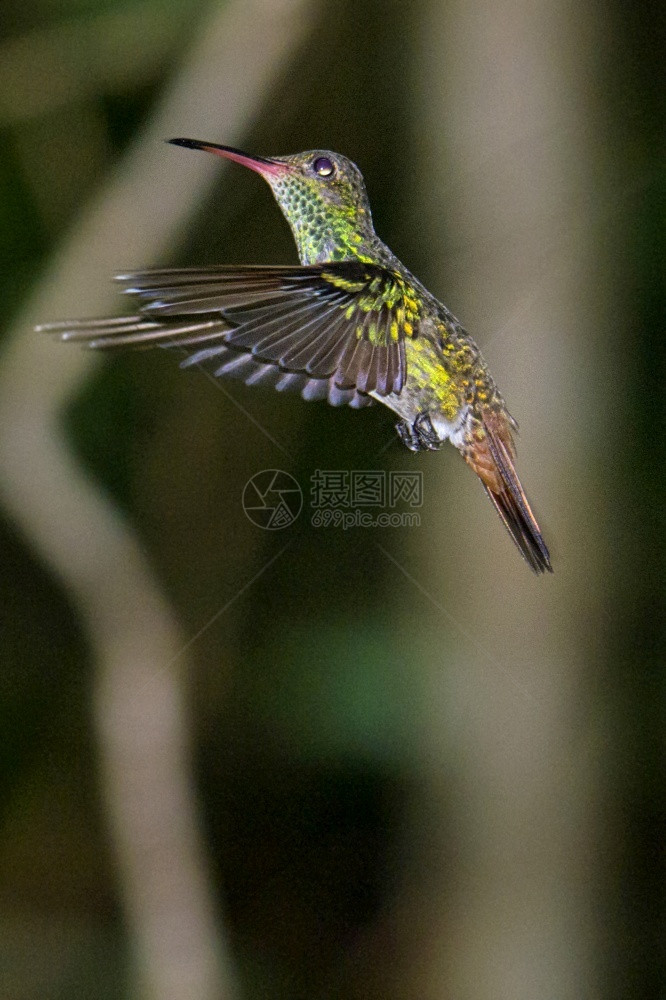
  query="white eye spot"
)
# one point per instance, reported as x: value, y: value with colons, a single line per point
x: 323, y: 166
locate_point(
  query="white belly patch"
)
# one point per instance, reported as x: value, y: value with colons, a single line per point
x: 454, y: 431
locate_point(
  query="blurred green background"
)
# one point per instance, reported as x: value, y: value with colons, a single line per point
x: 409, y: 768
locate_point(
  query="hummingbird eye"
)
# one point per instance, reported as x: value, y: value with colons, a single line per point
x: 323, y: 166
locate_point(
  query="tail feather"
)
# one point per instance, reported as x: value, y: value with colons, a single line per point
x: 491, y: 454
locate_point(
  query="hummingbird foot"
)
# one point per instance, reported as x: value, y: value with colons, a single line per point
x: 407, y: 435
x: 429, y: 439
x: 419, y: 436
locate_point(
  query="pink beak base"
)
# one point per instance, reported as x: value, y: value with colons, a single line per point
x: 259, y: 164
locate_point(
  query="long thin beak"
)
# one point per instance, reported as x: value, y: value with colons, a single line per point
x: 258, y: 163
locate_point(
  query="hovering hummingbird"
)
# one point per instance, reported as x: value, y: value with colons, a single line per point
x: 351, y: 324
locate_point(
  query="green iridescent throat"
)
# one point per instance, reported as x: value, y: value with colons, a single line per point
x: 325, y: 228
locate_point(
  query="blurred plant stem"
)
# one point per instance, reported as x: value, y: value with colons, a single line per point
x: 143, y: 732
x: 513, y: 817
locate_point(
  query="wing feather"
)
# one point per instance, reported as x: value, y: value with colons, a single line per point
x: 341, y: 324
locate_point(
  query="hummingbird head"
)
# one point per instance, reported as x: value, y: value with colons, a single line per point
x: 322, y: 195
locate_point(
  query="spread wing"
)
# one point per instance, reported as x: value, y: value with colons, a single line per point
x: 333, y: 330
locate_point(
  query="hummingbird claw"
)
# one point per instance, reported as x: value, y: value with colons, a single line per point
x: 427, y: 436
x: 407, y: 435
x: 426, y: 433
x: 419, y: 436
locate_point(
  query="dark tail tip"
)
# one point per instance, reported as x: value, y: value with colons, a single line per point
x: 523, y: 528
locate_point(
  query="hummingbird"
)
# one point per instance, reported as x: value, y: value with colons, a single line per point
x: 351, y: 325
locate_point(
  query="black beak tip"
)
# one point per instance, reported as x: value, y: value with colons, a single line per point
x: 187, y: 143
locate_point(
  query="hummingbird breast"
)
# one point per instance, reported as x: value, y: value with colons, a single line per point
x: 430, y: 388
